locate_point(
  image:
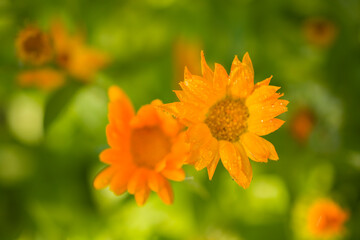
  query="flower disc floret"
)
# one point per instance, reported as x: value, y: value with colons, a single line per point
x: 226, y: 119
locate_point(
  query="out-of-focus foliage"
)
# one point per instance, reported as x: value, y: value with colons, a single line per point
x: 46, y: 174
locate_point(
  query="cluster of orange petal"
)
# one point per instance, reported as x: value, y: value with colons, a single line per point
x: 219, y: 116
x: 38, y: 48
x: 146, y: 150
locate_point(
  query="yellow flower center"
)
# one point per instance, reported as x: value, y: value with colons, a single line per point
x: 226, y: 119
x: 34, y: 44
x: 149, y: 145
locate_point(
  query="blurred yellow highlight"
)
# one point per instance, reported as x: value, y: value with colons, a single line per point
x: 25, y: 119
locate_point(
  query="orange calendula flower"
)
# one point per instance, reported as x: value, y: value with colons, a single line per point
x: 33, y: 46
x: 326, y: 219
x: 73, y: 55
x: 146, y: 150
x: 226, y: 115
x: 46, y: 79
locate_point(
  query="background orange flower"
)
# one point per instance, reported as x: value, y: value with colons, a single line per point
x: 33, y: 46
x: 71, y: 53
x: 146, y: 150
x: 320, y: 31
x: 326, y: 219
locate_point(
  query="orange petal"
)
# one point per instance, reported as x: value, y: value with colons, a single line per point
x: 212, y: 166
x: 234, y: 159
x: 265, y: 82
x: 236, y: 62
x: 104, y: 177
x: 147, y: 116
x: 137, y: 181
x: 206, y: 71
x: 120, y: 110
x: 188, y: 113
x: 182, y: 96
x: 160, y: 165
x: 221, y: 78
x: 119, y: 118
x: 179, y: 152
x: 165, y: 191
x: 174, y: 160
x: 142, y: 195
x: 203, y: 147
x: 172, y: 108
x: 207, y: 154
x: 241, y: 79
x: 174, y: 174
x: 257, y: 148
x: 120, y: 180
x: 199, y: 91
x: 116, y: 94
x: 114, y: 156
x: 85, y: 62
x: 268, y: 101
x: 261, y: 94
x: 265, y: 127
x: 180, y: 145
x: 169, y: 125
x: 247, y: 61
x: 198, y: 134
x: 117, y: 140
x: 265, y: 112
x: 187, y: 73
x: 273, y: 154
x: 154, y: 180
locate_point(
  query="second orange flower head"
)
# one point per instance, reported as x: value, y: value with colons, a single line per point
x: 146, y: 150
x: 226, y: 115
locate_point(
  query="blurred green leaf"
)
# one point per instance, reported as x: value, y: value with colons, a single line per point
x: 58, y: 101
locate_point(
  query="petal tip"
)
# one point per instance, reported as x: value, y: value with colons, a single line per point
x: 156, y: 102
x: 115, y: 93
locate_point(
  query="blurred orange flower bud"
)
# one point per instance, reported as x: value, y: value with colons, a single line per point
x: 46, y: 79
x: 33, y: 46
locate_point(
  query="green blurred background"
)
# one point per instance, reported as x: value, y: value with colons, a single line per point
x: 46, y: 175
